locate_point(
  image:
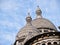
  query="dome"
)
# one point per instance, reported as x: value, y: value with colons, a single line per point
x: 28, y: 30
x: 43, y: 23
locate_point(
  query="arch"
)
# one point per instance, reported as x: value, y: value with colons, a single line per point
x: 49, y: 43
x: 45, y: 30
x: 43, y: 44
x: 55, y: 43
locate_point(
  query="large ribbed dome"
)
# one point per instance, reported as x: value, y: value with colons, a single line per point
x: 43, y: 23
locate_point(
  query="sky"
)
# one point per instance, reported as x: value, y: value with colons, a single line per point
x: 14, y: 12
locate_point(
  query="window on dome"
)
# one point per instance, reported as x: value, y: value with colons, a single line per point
x: 45, y: 30
x: 40, y: 30
x: 49, y: 43
x: 55, y: 43
x: 43, y: 44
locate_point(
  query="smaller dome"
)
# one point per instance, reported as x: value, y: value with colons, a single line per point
x: 28, y: 30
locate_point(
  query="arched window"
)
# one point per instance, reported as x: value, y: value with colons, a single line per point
x: 43, y: 44
x: 55, y: 42
x: 40, y: 30
x: 45, y: 30
x: 49, y: 43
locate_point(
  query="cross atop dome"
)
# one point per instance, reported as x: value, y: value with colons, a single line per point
x: 38, y: 12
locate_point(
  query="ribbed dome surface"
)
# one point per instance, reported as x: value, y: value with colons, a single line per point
x: 43, y: 23
x: 26, y: 30
x: 29, y: 32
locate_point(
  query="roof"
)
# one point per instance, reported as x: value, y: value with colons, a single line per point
x: 28, y: 30
x: 43, y: 23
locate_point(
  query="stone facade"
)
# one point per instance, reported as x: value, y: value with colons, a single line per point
x: 39, y: 31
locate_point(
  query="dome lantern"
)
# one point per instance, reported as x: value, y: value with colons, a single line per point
x: 38, y: 12
x: 28, y: 18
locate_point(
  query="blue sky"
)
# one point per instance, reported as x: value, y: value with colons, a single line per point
x: 14, y: 12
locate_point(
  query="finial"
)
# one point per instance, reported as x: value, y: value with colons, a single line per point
x: 38, y: 12
x: 28, y: 18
